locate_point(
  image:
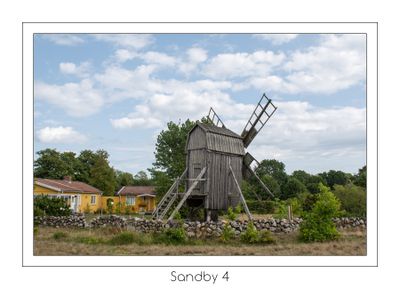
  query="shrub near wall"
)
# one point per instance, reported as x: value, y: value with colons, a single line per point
x: 261, y: 207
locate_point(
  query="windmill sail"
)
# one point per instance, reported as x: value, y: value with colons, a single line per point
x: 248, y: 172
x: 261, y: 114
x: 214, y: 118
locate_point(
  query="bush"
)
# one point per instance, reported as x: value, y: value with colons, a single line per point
x: 353, y: 199
x: 227, y: 233
x: 317, y: 225
x: 128, y: 209
x: 238, y: 209
x: 59, y: 235
x: 43, y: 205
x: 261, y: 207
x: 250, y: 235
x: 173, y: 236
x: 231, y: 215
x: 266, y: 237
x: 281, y: 208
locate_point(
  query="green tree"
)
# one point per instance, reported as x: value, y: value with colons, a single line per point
x: 101, y: 175
x: 302, y: 176
x: 313, y: 183
x: 318, y: 225
x: 274, y: 168
x: 170, y: 148
x: 49, y: 165
x: 86, y: 160
x: 123, y: 179
x: 71, y: 164
x: 292, y: 188
x: 335, y: 178
x: 141, y: 179
x: 360, y: 179
x: 353, y: 199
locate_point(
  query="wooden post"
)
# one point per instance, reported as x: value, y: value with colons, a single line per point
x: 246, y: 209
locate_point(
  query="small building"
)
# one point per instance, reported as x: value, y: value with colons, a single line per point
x: 138, y: 198
x: 80, y: 196
x: 217, y: 149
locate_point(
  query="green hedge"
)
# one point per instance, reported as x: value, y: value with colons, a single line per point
x: 261, y: 207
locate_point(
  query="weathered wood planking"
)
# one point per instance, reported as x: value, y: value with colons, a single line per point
x: 216, y: 148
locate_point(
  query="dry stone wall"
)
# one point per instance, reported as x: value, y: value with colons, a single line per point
x: 193, y: 228
x: 73, y: 221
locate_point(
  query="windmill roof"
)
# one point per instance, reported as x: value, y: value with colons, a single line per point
x: 218, y: 130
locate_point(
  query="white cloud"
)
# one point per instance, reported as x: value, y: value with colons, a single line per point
x: 337, y: 63
x: 60, y: 134
x: 233, y: 65
x: 64, y: 39
x: 77, y: 99
x: 136, y: 122
x: 277, y: 39
x: 196, y: 55
x: 299, y: 132
x: 81, y: 70
x: 132, y: 41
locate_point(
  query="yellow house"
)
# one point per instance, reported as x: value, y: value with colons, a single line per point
x: 83, y: 198
x: 139, y: 199
x: 80, y: 197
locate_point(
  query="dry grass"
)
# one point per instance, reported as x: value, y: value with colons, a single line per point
x: 80, y: 242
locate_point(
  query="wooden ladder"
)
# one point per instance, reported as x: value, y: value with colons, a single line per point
x: 187, y: 194
x: 168, y: 199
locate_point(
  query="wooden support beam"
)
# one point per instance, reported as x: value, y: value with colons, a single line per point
x: 260, y: 181
x: 246, y: 209
x: 187, y: 194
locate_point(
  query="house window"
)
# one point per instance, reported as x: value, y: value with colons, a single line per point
x: 92, y: 200
x: 130, y: 201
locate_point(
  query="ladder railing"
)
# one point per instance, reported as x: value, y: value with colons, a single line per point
x: 187, y: 194
x: 168, y: 199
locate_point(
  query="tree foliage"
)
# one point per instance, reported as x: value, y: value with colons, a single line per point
x: 333, y: 177
x: 170, y: 148
x: 360, y: 179
x: 292, y: 188
x: 353, y: 199
x: 89, y: 167
x: 273, y: 168
x: 45, y: 206
x: 318, y: 225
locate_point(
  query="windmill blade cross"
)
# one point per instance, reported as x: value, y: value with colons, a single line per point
x: 260, y: 116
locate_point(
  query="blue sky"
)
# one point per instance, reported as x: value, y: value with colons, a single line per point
x: 117, y: 92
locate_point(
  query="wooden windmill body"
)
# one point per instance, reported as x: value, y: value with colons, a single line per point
x: 216, y: 164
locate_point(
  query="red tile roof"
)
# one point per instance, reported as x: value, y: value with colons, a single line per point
x: 136, y: 191
x: 66, y: 186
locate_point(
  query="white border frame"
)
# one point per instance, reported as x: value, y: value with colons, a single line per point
x: 369, y: 28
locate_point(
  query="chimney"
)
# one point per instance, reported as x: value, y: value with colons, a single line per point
x: 68, y: 179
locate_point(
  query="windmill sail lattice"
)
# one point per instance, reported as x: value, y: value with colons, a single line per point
x: 214, y: 118
x: 261, y: 114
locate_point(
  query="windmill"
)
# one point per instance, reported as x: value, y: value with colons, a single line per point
x: 216, y: 163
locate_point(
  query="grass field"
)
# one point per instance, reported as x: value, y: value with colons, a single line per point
x: 63, y: 242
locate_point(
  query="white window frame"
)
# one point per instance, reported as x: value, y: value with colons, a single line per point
x: 91, y: 199
x: 132, y: 200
